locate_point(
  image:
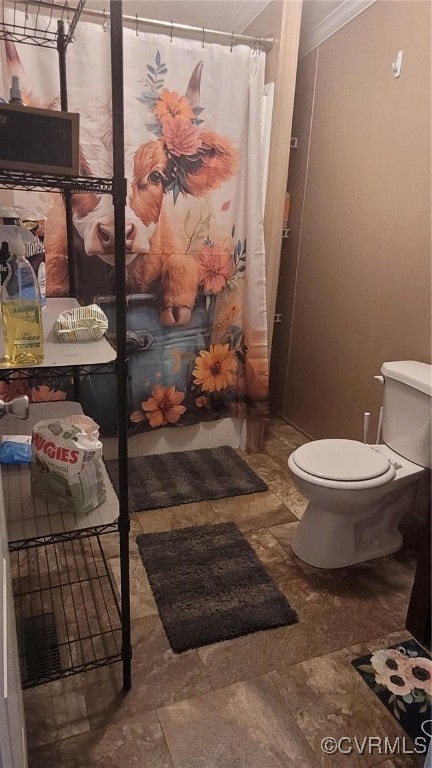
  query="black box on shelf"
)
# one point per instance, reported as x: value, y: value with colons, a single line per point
x: 39, y: 140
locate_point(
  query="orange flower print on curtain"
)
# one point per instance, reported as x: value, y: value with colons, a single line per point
x: 170, y: 104
x: 44, y: 394
x: 18, y: 386
x: 215, y: 267
x: 181, y: 137
x: 162, y: 408
x: 215, y: 368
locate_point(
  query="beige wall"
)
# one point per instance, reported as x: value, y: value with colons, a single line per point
x: 355, y: 281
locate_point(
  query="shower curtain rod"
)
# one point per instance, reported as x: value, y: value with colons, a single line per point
x: 264, y: 43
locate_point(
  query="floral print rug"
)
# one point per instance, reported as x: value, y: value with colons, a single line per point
x: 401, y: 676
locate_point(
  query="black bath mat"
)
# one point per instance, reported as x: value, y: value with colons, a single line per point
x: 168, y: 479
x: 401, y: 677
x: 209, y: 585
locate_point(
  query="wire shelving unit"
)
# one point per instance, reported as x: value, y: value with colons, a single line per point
x: 70, y: 617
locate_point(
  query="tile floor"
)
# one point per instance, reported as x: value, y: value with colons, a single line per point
x: 261, y: 701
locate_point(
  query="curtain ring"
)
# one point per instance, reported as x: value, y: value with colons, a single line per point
x: 171, y: 31
x: 104, y: 23
x: 203, y: 37
x: 136, y: 25
x: 232, y: 42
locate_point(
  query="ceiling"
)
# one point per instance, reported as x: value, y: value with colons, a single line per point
x: 315, y: 11
x: 224, y: 15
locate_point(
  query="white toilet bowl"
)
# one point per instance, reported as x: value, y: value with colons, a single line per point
x: 357, y: 495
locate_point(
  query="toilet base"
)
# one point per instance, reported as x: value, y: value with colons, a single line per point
x: 328, y: 538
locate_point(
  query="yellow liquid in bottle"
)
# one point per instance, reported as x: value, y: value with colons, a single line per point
x: 23, y: 334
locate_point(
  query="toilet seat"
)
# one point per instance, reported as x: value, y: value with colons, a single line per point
x: 338, y: 463
x: 340, y: 460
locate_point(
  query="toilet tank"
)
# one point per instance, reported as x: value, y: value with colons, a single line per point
x: 407, y: 405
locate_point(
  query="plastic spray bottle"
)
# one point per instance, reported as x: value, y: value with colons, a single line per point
x: 21, y: 310
x: 15, y: 92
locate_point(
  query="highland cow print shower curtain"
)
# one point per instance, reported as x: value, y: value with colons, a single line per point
x: 194, y: 220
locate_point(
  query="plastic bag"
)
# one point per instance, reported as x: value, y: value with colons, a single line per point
x: 81, y: 324
x: 67, y: 463
x: 12, y: 452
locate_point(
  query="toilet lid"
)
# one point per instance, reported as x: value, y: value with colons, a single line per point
x: 340, y: 460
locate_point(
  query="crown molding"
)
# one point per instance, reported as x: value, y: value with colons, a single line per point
x: 247, y: 14
x: 343, y: 14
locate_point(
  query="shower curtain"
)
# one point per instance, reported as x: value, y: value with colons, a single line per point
x: 194, y: 127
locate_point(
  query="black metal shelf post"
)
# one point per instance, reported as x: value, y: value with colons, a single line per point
x: 119, y: 200
x: 67, y: 194
x: 81, y: 580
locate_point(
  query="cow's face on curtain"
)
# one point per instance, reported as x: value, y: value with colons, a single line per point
x: 196, y: 313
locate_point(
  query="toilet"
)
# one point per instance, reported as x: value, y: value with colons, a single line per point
x: 357, y: 493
